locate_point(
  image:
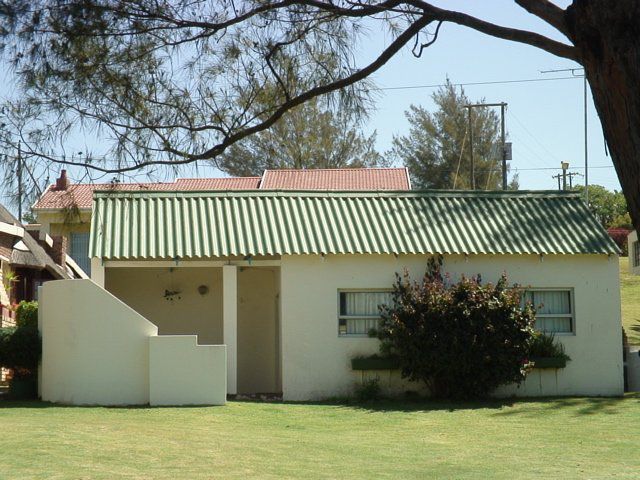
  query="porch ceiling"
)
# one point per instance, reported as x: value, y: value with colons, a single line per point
x: 196, y: 225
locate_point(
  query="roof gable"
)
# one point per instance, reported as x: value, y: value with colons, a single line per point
x: 195, y: 225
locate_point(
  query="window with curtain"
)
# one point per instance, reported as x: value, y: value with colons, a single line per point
x: 359, y: 312
x: 79, y: 251
x: 554, y: 310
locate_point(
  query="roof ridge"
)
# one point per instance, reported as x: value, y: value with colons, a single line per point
x: 331, y: 169
x: 351, y: 193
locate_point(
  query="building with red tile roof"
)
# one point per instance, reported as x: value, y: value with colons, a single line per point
x: 337, y: 179
x: 65, y: 195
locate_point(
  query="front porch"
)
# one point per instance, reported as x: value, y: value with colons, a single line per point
x: 233, y: 302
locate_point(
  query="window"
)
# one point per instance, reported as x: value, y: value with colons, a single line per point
x: 359, y: 312
x: 636, y: 254
x: 555, y: 310
x: 80, y: 251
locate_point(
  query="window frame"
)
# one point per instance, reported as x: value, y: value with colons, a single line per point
x: 356, y: 317
x: 572, y: 315
x: 636, y: 253
x: 80, y: 261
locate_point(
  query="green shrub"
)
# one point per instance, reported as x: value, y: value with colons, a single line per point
x: 27, y: 314
x: 545, y: 346
x: 368, y: 390
x: 462, y: 339
x: 20, y: 346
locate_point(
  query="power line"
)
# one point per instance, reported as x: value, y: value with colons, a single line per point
x: 468, y: 84
x: 528, y: 132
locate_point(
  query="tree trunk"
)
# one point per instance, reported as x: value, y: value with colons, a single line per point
x: 607, y: 35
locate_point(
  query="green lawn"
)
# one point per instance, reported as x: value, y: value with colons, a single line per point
x: 553, y: 438
x: 630, y: 297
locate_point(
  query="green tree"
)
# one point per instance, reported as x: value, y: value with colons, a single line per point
x: 436, y: 150
x: 609, y: 207
x: 171, y: 82
x: 308, y: 136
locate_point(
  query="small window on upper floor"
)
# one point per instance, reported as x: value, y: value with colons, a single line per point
x: 79, y: 251
x: 636, y: 253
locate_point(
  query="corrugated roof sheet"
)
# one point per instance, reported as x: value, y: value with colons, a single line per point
x: 196, y: 225
x: 80, y: 195
x: 337, y: 179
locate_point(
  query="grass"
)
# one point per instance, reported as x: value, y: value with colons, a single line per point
x: 552, y: 438
x: 630, y: 299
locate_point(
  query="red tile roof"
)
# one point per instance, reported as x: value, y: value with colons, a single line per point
x: 80, y: 195
x: 337, y: 179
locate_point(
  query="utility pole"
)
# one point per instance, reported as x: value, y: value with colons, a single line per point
x: 502, y: 106
x: 504, y: 151
x: 586, y: 147
x: 19, y: 175
x: 471, y: 161
x: 564, y: 176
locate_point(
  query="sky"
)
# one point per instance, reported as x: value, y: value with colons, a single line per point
x: 545, y: 116
x: 544, y: 120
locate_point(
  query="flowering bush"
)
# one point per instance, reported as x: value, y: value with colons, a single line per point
x: 462, y: 339
x: 619, y: 235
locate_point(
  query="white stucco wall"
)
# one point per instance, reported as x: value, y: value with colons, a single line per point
x: 631, y: 239
x: 189, y: 313
x: 95, y: 349
x: 316, y: 361
x: 181, y: 372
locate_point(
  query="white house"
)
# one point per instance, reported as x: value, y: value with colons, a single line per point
x: 290, y: 281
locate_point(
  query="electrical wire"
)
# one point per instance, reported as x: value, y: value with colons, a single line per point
x: 468, y: 84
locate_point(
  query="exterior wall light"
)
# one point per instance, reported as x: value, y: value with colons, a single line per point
x: 203, y: 289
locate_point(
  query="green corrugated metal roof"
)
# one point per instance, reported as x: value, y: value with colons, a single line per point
x: 195, y: 225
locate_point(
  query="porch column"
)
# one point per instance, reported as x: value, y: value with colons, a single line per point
x: 230, y: 324
x: 97, y: 271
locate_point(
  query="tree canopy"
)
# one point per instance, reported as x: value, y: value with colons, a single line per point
x: 436, y: 149
x: 609, y: 207
x: 308, y: 136
x: 171, y: 82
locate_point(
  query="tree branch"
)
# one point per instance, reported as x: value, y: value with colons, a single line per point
x: 547, y: 11
x: 361, y: 74
x: 513, y: 34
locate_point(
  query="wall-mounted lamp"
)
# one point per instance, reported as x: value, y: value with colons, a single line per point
x: 248, y: 259
x: 203, y: 289
x: 541, y: 257
x: 172, y: 295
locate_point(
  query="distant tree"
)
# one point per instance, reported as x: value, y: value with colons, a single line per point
x: 312, y: 135
x: 609, y: 207
x: 436, y: 150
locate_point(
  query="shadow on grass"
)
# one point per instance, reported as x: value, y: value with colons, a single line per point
x: 8, y: 402
x: 503, y: 406
x: 580, y: 405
